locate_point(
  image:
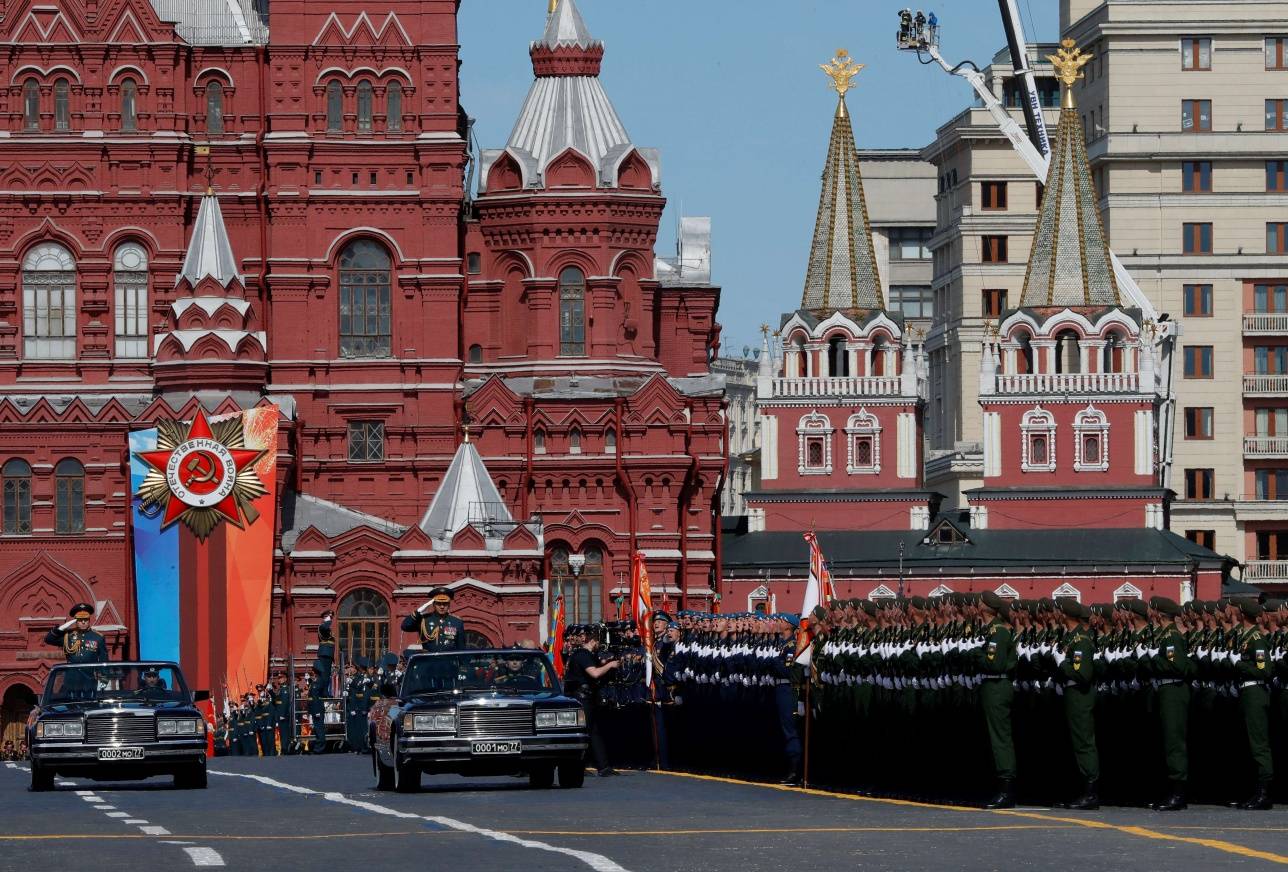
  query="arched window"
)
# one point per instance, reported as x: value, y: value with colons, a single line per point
x: 364, y: 300
x: 214, y: 107
x: 815, y: 453
x: 1068, y: 358
x: 610, y: 441
x: 362, y: 622
x: 838, y: 359
x: 1113, y: 360
x: 69, y: 497
x: 863, y: 430
x: 129, y: 105
x: 62, y: 105
x: 365, y: 96
x: 878, y: 367
x: 539, y: 442
x: 476, y: 354
x: 31, y: 105
x: 1037, y: 451
x: 572, y: 312
x: 49, y: 303
x: 393, y: 106
x: 16, y: 477
x: 579, y: 579
x: 802, y: 358
x: 130, y: 277
x: 1091, y: 448
x: 574, y: 441
x: 334, y: 107
x: 1024, y: 354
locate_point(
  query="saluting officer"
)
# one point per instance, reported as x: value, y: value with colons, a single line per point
x: 320, y: 686
x: 439, y: 630
x: 79, y: 643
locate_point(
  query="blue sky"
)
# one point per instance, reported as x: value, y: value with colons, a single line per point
x: 731, y: 92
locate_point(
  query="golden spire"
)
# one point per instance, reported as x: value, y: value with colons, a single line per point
x: 842, y: 71
x: 764, y: 329
x: 1068, y: 61
x: 554, y: 5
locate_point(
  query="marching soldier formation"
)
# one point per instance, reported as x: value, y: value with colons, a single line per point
x: 1127, y: 697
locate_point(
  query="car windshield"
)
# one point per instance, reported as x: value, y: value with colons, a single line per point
x: 115, y: 681
x: 517, y: 671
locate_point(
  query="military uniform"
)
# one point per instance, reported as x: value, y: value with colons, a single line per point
x: 437, y: 632
x: 997, y: 660
x: 1075, y: 660
x: 80, y: 645
x: 320, y: 685
x: 1252, y: 665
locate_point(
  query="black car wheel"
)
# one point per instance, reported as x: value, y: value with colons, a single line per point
x: 406, y: 776
x: 572, y: 774
x: 541, y: 777
x: 384, y: 774
x: 192, y: 777
x: 41, y: 778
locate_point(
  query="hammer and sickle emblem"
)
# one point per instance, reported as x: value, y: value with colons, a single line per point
x: 200, y: 468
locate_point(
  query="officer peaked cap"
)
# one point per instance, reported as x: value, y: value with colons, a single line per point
x: 1250, y: 608
x: 439, y: 592
x: 1166, y: 606
x: 1136, y: 607
x: 993, y: 601
x: 81, y: 610
x: 1073, y: 608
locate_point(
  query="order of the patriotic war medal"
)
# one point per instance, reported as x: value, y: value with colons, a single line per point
x: 201, y: 474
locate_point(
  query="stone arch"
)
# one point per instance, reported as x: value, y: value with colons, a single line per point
x: 42, y: 588
x: 570, y: 169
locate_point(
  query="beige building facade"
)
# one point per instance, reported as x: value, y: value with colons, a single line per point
x: 1186, y: 111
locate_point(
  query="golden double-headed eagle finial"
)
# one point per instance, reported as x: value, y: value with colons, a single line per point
x: 1068, y: 61
x: 554, y: 5
x: 842, y: 71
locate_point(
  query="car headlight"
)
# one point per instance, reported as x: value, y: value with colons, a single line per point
x: 430, y: 723
x: 175, y: 727
x: 60, y: 730
x: 561, y: 718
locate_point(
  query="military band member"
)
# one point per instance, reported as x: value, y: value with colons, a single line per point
x: 439, y: 630
x: 80, y: 644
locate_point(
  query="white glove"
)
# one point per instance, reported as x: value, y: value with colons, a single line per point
x: 425, y: 607
x: 1234, y: 658
x: 1059, y: 658
x: 1153, y: 652
x: 67, y: 625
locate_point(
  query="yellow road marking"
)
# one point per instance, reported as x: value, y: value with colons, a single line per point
x: 1141, y: 832
x: 810, y: 830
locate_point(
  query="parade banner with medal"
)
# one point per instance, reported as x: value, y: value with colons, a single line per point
x: 204, y: 496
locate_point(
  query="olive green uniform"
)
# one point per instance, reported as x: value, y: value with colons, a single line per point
x: 996, y: 694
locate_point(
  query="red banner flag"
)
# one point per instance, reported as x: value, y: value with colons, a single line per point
x: 642, y: 610
x: 556, y: 640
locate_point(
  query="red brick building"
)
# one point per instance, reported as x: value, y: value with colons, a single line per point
x: 342, y: 271
x: 1071, y: 503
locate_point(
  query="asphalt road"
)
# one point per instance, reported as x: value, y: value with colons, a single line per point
x: 294, y: 813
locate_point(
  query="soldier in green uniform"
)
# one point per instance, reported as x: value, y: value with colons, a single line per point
x: 996, y: 663
x: 1252, y: 668
x: 1075, y: 662
x: 1172, y: 669
x: 439, y: 630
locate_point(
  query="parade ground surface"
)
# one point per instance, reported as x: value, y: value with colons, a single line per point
x: 292, y: 813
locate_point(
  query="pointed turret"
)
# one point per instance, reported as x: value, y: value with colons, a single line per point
x: 1070, y: 263
x: 842, y: 270
x: 568, y: 109
x: 467, y: 495
x: 212, y: 320
x: 210, y: 254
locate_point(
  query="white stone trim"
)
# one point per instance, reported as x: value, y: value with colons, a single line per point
x: 881, y: 592
x: 1144, y: 442
x: 1066, y: 590
x: 862, y: 425
x: 906, y: 427
x: 1005, y: 591
x: 1090, y: 422
x: 942, y: 590
x: 1037, y: 422
x: 919, y: 518
x: 813, y: 427
x: 1127, y: 591
x: 992, y: 444
x: 769, y: 448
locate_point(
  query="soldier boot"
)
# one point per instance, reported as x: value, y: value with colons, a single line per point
x: 1005, y: 797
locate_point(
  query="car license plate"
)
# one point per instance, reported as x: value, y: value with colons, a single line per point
x: 495, y: 748
x: 120, y: 753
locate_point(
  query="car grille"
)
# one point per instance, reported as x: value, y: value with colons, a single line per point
x: 489, y: 722
x: 120, y: 729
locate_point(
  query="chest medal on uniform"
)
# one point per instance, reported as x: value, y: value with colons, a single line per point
x: 201, y: 475
x: 1171, y: 652
x: 1261, y: 659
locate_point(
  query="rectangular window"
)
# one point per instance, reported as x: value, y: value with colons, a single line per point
x: 366, y: 441
x: 914, y: 301
x: 994, y: 196
x: 1271, y: 422
x: 1276, y: 237
x: 994, y: 249
x: 1196, y: 238
x: 1276, y: 59
x: 1198, y: 422
x: 910, y: 243
x: 1277, y: 115
x: 1271, y: 359
x: 131, y: 314
x: 1198, y: 301
x: 1276, y: 176
x: 993, y: 303
x: 1272, y: 484
x: 1198, y: 484
x: 1196, y: 53
x: 1268, y: 299
x: 1202, y: 538
x: 1196, y: 116
x: 1198, y: 361
x: 1196, y: 176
